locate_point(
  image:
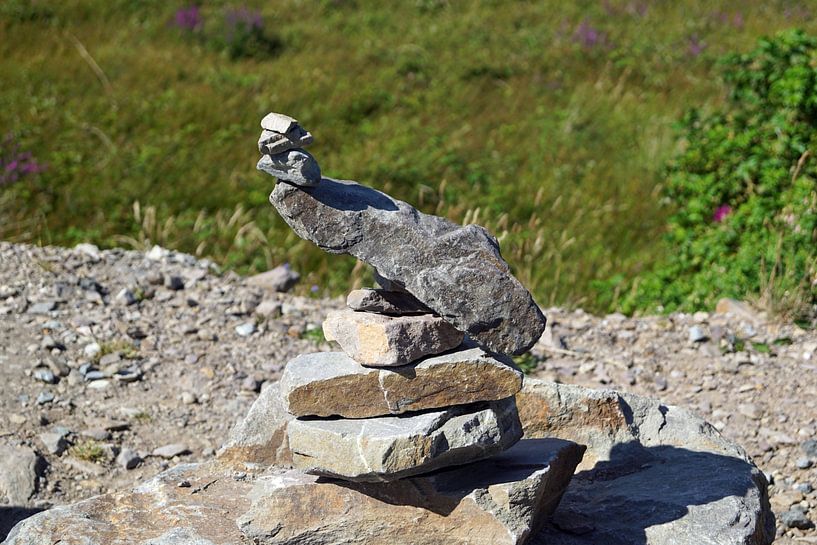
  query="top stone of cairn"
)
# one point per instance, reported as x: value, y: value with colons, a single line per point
x: 279, y: 123
x: 455, y: 271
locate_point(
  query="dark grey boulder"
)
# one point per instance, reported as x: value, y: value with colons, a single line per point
x: 456, y: 271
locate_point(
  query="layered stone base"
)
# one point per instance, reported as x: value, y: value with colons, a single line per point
x: 652, y: 474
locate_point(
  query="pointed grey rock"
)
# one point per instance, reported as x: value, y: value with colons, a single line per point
x: 296, y: 166
x: 320, y: 384
x: 456, y: 271
x: 388, y: 448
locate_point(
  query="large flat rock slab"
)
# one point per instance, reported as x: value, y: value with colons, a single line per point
x: 388, y: 448
x: 456, y: 271
x: 387, y: 341
x: 319, y: 384
x: 653, y: 474
x: 500, y: 501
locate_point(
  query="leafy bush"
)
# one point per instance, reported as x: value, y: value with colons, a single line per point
x: 744, y: 190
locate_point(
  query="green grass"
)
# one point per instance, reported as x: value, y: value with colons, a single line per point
x: 488, y: 112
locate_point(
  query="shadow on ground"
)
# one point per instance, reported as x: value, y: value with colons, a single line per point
x: 11, y: 515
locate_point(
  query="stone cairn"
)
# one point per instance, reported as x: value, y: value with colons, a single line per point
x: 411, y: 435
x: 423, y: 382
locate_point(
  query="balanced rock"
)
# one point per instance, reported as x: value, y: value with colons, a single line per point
x: 296, y: 166
x: 279, y: 123
x: 388, y: 448
x: 456, y: 271
x: 333, y: 384
x: 271, y: 142
x: 499, y: 501
x: 383, y: 341
x: 385, y: 302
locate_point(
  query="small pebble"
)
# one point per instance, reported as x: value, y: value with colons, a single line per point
x: 246, y: 329
x: 796, y: 518
x: 803, y: 463
x: 128, y: 459
x: 45, y: 397
x: 174, y: 283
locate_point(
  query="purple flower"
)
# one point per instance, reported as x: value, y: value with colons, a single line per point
x: 15, y: 164
x: 314, y: 288
x: 589, y: 36
x: 188, y: 18
x: 695, y: 46
x: 721, y: 212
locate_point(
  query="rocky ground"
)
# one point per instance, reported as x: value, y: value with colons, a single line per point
x: 118, y: 364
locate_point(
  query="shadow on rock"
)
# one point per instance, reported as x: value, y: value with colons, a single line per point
x: 662, y: 495
x: 352, y: 197
x: 11, y: 515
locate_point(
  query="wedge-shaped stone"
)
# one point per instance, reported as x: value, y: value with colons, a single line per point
x: 456, y: 271
x: 385, y: 302
x: 387, y: 341
x: 333, y: 384
x: 500, y: 501
x: 394, y: 447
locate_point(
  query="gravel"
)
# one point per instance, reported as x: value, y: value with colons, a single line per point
x: 759, y: 390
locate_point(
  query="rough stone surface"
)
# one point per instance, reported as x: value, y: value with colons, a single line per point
x: 19, y: 468
x: 499, y: 501
x: 296, y: 166
x: 652, y: 473
x: 456, y: 271
x: 380, y: 340
x: 279, y: 279
x: 272, y: 142
x: 279, y: 123
x: 320, y: 384
x: 393, y: 447
x: 385, y: 302
x: 260, y: 438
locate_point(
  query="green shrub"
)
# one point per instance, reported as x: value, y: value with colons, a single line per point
x: 743, y: 191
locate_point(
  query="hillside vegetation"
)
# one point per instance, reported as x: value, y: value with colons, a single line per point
x: 551, y: 123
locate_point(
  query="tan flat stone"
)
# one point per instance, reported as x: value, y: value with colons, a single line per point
x: 386, y: 341
x: 320, y: 384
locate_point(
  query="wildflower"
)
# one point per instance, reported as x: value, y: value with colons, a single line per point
x: 589, y: 36
x: 696, y: 46
x: 16, y: 164
x: 188, y: 18
x: 721, y: 212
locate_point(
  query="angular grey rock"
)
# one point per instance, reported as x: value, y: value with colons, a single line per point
x: 385, y: 302
x: 53, y: 442
x: 128, y: 459
x: 500, y: 501
x: 19, y: 469
x: 260, y: 438
x: 279, y: 123
x: 388, y: 448
x: 279, y: 279
x: 272, y: 142
x: 388, y: 341
x: 320, y: 384
x: 296, y: 166
x: 653, y: 474
x: 456, y: 271
x: 172, y: 450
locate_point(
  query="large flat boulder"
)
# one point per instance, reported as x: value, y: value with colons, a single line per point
x: 319, y: 384
x: 500, y: 501
x: 457, y: 271
x: 388, y: 448
x: 653, y: 474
